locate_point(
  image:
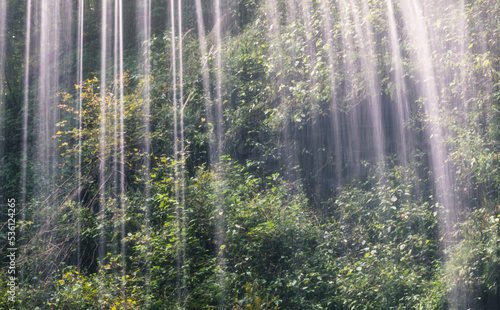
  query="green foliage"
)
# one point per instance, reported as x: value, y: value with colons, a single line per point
x: 269, y: 229
x: 388, y: 247
x: 473, y: 268
x: 97, y: 291
x: 268, y: 238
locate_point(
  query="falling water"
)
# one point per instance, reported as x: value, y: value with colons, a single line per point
x: 367, y: 120
x: 205, y: 78
x: 214, y: 128
x: 80, y: 119
x: 368, y: 62
x: 464, y: 59
x: 443, y: 185
x: 24, y: 163
x: 144, y: 26
x: 443, y: 181
x: 291, y: 160
x: 352, y: 130
x: 401, y: 113
x: 122, y: 141
x: 176, y: 146
x: 182, y: 180
x: 55, y: 41
x: 48, y: 85
x: 316, y: 133
x: 3, y: 41
x: 116, y: 99
x: 334, y: 106
x: 274, y: 33
x: 102, y: 131
x: 218, y: 79
x: 210, y: 118
x: 3, y: 15
x: 220, y: 235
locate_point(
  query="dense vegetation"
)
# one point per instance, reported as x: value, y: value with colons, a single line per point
x: 273, y: 223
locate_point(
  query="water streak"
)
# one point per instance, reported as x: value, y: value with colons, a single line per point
x: 368, y: 62
x: 315, y: 133
x: 102, y: 132
x: 122, y: 142
x: 183, y: 158
x: 351, y: 131
x: 24, y: 163
x: 326, y: 17
x: 3, y: 17
x: 145, y: 38
x: 401, y: 113
x: 176, y: 146
x: 48, y: 86
x: 218, y: 177
x: 205, y: 78
x: 443, y: 182
x: 274, y: 37
x: 81, y: 6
